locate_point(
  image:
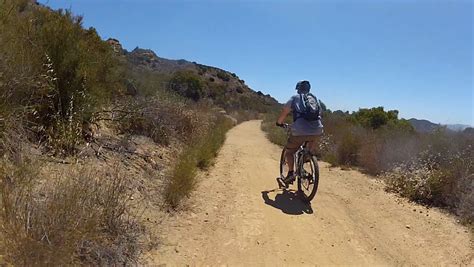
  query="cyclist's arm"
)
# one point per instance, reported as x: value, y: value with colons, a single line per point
x: 284, y: 113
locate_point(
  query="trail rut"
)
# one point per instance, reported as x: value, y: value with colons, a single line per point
x: 352, y: 220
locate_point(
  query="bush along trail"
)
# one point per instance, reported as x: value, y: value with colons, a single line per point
x: 97, y: 143
x: 237, y: 216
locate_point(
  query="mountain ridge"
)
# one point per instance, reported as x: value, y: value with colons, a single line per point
x: 198, y: 81
x: 426, y: 126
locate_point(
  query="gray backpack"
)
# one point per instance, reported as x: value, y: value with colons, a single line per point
x: 308, y: 108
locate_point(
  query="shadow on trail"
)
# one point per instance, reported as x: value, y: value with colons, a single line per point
x: 288, y: 202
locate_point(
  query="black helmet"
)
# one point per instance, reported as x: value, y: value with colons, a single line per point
x: 303, y: 86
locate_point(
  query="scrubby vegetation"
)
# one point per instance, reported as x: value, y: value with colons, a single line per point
x: 75, y: 215
x: 66, y: 96
x: 275, y: 134
x: 54, y: 73
x: 198, y: 155
x: 432, y: 168
x: 54, y: 76
x: 227, y: 94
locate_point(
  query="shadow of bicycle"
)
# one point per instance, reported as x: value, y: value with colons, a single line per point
x: 287, y: 201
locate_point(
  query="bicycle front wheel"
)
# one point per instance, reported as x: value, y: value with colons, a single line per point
x: 308, y: 179
x: 283, y: 165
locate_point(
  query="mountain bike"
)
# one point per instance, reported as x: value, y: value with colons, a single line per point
x: 306, y: 170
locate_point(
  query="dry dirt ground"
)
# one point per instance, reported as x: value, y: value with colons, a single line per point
x: 352, y: 221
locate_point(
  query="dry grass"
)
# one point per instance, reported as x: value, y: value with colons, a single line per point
x: 441, y: 180
x: 160, y: 118
x: 275, y: 134
x: 199, y: 154
x: 63, y: 216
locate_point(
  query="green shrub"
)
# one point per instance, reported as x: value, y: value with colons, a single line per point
x: 200, y: 153
x: 182, y: 178
x: 223, y: 76
x: 187, y: 84
x: 55, y: 74
x: 210, y: 143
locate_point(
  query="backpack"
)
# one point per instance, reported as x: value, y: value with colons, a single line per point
x: 308, y: 108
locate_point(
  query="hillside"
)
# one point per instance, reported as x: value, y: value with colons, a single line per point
x: 85, y: 123
x: 423, y: 126
x: 198, y: 82
x: 457, y: 127
x: 426, y: 126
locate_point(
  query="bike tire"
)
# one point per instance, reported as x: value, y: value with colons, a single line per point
x: 283, y: 164
x: 315, y: 175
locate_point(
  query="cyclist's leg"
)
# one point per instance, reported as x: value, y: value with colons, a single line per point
x: 313, y: 143
x: 292, y: 145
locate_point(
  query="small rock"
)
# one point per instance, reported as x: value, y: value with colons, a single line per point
x: 176, y: 250
x: 206, y: 220
x: 375, y: 248
x: 408, y: 226
x: 414, y: 209
x: 132, y: 198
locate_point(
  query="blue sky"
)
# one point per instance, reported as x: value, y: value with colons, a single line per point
x: 413, y: 56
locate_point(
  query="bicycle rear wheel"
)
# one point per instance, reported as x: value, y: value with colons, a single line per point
x: 308, y: 179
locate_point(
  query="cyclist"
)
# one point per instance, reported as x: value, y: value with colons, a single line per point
x: 304, y: 128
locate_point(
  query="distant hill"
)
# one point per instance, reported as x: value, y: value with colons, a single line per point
x: 196, y: 81
x: 424, y: 126
x: 457, y: 127
x: 469, y: 130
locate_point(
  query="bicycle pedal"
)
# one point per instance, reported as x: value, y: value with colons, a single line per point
x: 281, y: 183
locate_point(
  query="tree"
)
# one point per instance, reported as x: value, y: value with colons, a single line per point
x: 187, y: 84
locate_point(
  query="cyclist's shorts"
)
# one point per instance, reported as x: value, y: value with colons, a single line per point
x: 294, y: 142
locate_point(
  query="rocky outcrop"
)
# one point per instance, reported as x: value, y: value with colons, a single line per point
x: 147, y: 58
x: 116, y: 45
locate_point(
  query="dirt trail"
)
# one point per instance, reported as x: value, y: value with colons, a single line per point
x: 352, y: 221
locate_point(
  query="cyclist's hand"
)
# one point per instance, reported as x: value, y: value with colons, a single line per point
x: 282, y: 125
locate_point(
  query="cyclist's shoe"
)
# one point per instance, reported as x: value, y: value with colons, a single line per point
x: 290, y: 178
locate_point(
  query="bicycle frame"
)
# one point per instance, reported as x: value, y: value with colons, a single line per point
x: 302, y: 175
x: 300, y: 153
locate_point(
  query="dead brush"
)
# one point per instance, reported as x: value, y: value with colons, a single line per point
x: 64, y: 216
x: 437, y: 179
x: 161, y: 119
